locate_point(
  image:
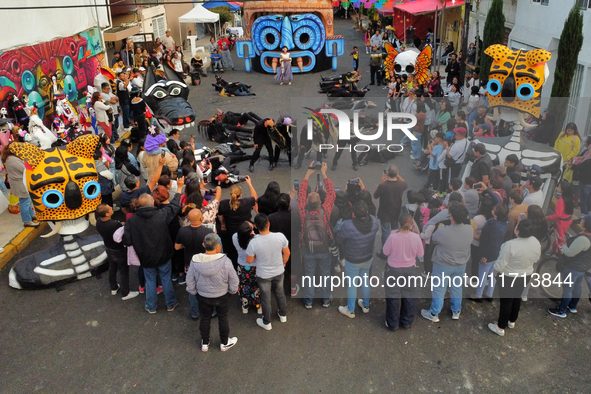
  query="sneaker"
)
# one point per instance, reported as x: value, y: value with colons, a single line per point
x: 205, y: 346
x: 345, y: 311
x: 182, y: 279
x: 429, y: 316
x: 159, y: 290
x: 556, y: 312
x: 295, y: 290
x: 364, y: 309
x: 511, y: 324
x: 175, y: 277
x: 455, y: 316
x: 259, y: 311
x: 523, y: 299
x: 142, y: 290
x: 231, y: 342
x: 412, y: 157
x: 245, y: 310
x: 114, y: 292
x: 280, y: 83
x: 262, y: 324
x: 171, y: 308
x: 326, y: 304
x: 495, y: 328
x: 282, y: 319
x: 31, y: 224
x: 130, y: 295
x: 289, y: 83
x: 307, y: 306
x: 149, y: 311
x: 571, y: 310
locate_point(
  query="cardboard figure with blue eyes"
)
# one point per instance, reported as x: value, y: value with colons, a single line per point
x: 64, y: 190
x: 306, y: 28
x: 167, y: 99
x: 514, y: 89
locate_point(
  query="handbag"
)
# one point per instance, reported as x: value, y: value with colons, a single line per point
x: 450, y: 161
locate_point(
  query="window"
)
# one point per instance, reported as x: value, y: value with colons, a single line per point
x: 542, y: 2
x: 584, y: 4
x: 575, y: 95
x: 159, y: 27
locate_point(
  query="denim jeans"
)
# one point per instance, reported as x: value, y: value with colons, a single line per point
x: 151, y: 275
x: 27, y: 212
x: 485, y: 272
x: 400, y: 301
x: 416, y: 146
x: 268, y: 286
x: 405, y: 140
x: 310, y: 262
x: 571, y: 293
x: 584, y: 193
x: 439, y: 291
x: 353, y: 271
x: 125, y: 115
x: 193, y: 306
x: 387, y: 228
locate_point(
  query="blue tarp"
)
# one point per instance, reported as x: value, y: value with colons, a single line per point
x: 212, y: 4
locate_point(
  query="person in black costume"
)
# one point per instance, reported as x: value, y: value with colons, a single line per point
x: 261, y: 138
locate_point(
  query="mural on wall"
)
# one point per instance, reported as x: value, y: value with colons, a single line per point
x: 73, y: 61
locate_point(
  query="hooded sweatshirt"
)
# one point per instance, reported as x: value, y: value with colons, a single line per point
x: 211, y: 276
x: 356, y: 238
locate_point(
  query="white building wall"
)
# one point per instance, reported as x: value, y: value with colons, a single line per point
x: 479, y: 15
x: 24, y: 27
x: 540, y: 26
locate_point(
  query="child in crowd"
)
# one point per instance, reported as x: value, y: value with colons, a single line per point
x: 434, y: 150
x: 216, y: 61
x: 454, y: 185
x: 355, y: 55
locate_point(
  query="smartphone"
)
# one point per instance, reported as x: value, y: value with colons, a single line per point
x: 179, y: 173
x: 163, y: 153
x: 296, y: 185
x: 354, y: 181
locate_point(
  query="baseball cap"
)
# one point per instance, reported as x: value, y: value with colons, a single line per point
x: 460, y: 131
x: 142, y: 69
x: 485, y: 126
x: 535, y: 170
x: 536, y: 182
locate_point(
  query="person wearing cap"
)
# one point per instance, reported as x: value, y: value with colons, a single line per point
x: 197, y: 67
x: 155, y: 147
x: 535, y: 196
x: 224, y: 50
x: 481, y: 168
x: 577, y: 261
x: 457, y: 152
x: 261, y: 138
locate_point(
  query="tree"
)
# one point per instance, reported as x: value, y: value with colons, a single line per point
x: 494, y: 33
x: 569, y: 46
x: 225, y: 14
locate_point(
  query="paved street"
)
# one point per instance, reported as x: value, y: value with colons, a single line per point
x: 83, y: 339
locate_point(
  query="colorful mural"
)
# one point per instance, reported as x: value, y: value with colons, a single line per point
x: 74, y: 61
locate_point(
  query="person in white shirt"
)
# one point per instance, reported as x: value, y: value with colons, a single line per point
x: 270, y: 251
x: 168, y: 41
x: 513, y: 268
x: 138, y: 81
x: 535, y: 195
x: 376, y: 40
x: 176, y: 61
x: 473, y: 81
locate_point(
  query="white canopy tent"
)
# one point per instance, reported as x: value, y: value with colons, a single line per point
x: 199, y: 14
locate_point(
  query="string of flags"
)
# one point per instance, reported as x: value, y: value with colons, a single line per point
x: 367, y: 3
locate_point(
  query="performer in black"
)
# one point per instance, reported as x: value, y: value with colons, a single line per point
x: 261, y: 138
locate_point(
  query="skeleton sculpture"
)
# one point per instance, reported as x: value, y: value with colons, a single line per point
x: 408, y: 62
x: 514, y: 90
x: 63, y: 186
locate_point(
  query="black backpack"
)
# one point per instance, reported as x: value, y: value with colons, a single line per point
x: 316, y: 237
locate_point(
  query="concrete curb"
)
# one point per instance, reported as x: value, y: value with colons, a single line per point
x: 20, y: 242
x: 25, y: 237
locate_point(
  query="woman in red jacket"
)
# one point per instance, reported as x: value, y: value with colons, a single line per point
x: 563, y: 214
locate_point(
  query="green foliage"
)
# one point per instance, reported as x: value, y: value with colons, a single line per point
x: 371, y: 12
x: 225, y: 14
x: 569, y: 46
x: 494, y: 33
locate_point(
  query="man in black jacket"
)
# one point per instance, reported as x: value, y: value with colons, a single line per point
x: 261, y: 138
x: 453, y: 70
x: 147, y: 232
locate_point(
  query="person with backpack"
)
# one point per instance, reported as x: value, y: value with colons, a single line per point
x: 316, y: 235
x: 356, y: 238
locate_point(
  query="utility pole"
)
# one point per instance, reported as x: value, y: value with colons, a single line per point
x: 465, y: 31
